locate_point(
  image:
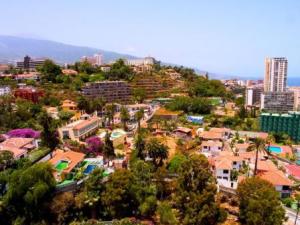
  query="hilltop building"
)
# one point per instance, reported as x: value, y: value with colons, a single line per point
x: 110, y: 91
x: 29, y: 63
x: 95, y: 60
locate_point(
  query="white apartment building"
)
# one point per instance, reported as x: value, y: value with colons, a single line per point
x: 275, y: 74
x: 140, y: 62
x: 80, y: 129
x: 253, y: 95
x: 296, y: 91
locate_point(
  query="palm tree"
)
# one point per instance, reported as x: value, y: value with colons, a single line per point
x: 257, y: 145
x: 110, y: 110
x: 125, y: 117
x: 138, y: 116
x: 98, y: 105
x: 140, y: 146
x: 157, y: 151
x: 270, y: 139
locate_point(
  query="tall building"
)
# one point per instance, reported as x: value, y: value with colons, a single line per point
x: 277, y: 102
x: 110, y: 91
x: 29, y: 63
x: 253, y: 95
x: 281, y: 123
x: 275, y: 74
x: 95, y: 60
x: 140, y: 62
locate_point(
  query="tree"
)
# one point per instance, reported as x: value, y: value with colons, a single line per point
x: 98, y: 104
x: 120, y: 71
x: 195, y: 193
x: 139, y: 95
x: 118, y: 199
x: 110, y: 110
x: 108, y: 148
x: 49, y: 70
x: 140, y: 146
x: 157, y: 151
x: 90, y: 197
x: 49, y: 134
x: 259, y: 203
x: 84, y: 104
x: 143, y: 188
x: 166, y: 214
x: 28, y: 191
x: 125, y: 117
x: 257, y: 145
x: 6, y: 159
x: 62, y: 207
x: 175, y: 163
x: 138, y: 117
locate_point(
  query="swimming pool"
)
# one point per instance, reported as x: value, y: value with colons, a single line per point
x: 275, y: 149
x: 117, y: 133
x: 89, y: 169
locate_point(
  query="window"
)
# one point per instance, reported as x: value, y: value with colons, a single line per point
x: 234, y: 162
x: 226, y: 171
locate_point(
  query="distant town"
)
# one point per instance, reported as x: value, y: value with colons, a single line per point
x: 136, y: 142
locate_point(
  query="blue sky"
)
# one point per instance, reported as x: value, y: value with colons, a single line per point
x: 223, y: 36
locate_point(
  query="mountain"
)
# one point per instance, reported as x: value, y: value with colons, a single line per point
x: 15, y: 48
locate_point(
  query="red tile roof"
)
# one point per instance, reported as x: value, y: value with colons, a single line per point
x: 293, y: 170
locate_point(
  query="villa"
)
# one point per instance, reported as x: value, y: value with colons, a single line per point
x: 212, y: 147
x: 80, y: 129
x: 225, y: 132
x: 183, y: 133
x: 65, y: 161
x: 209, y: 135
x: 19, y: 146
x: 68, y: 105
x: 293, y: 170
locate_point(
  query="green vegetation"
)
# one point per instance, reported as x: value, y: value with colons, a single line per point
x: 259, y: 203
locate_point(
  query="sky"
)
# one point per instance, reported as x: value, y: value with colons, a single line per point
x: 229, y: 37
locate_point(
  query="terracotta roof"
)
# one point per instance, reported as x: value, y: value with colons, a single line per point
x: 183, y: 129
x: 219, y: 130
x: 16, y: 151
x: 276, y: 177
x: 85, y: 123
x: 69, y: 72
x: 72, y: 157
x: 293, y: 170
x: 223, y: 164
x: 210, y: 135
x: 242, y: 145
x: 17, y: 142
x: 266, y: 165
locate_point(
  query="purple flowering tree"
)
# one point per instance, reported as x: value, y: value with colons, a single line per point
x: 24, y: 133
x: 94, y: 145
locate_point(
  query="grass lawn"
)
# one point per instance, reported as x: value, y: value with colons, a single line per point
x: 38, y: 153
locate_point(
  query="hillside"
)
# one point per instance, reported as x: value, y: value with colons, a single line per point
x: 13, y: 48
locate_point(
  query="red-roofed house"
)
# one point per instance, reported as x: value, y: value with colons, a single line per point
x: 293, y: 170
x: 281, y: 183
x: 18, y: 146
x: 65, y: 161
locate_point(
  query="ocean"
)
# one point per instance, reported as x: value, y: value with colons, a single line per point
x: 293, y: 81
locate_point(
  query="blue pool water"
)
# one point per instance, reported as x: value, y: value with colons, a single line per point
x: 89, y: 169
x: 275, y: 149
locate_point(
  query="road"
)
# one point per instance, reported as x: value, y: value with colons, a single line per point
x: 291, y: 214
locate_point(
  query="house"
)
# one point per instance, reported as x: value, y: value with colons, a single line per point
x: 183, y: 133
x: 68, y: 105
x: 27, y: 76
x: 224, y: 167
x: 80, y: 129
x: 64, y: 162
x: 19, y: 146
x: 209, y: 135
x: 212, y: 147
x: 69, y: 72
x: 165, y: 114
x: 293, y: 170
x: 225, y: 132
x: 29, y: 93
x: 281, y: 183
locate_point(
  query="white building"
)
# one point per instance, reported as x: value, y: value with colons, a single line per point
x: 212, y: 147
x: 4, y: 90
x: 296, y: 91
x: 275, y: 74
x: 253, y: 95
x: 140, y: 62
